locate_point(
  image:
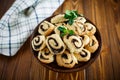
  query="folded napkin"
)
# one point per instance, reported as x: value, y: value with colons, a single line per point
x: 20, y: 21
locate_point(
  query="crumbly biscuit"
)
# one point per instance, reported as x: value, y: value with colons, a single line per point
x: 45, y: 28
x: 38, y: 42
x: 93, y: 44
x: 45, y: 56
x: 84, y: 55
x: 55, y: 44
x: 72, y: 27
x: 73, y: 42
x: 81, y: 20
x: 58, y: 18
x: 80, y: 28
x: 66, y: 59
x: 85, y: 39
x: 90, y: 28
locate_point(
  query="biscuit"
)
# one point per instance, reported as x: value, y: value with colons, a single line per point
x: 83, y: 56
x: 85, y: 39
x: 60, y: 24
x: 38, y: 42
x: 93, y: 44
x: 73, y: 42
x: 45, y: 28
x: 90, y: 28
x: 79, y: 28
x: 55, y: 44
x: 58, y: 18
x: 81, y: 20
x: 72, y: 27
x: 66, y: 59
x: 45, y: 56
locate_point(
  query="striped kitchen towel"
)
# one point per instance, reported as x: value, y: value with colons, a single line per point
x: 20, y: 21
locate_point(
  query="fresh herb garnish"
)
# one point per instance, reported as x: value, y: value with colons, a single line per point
x: 71, y: 32
x: 65, y: 31
x: 71, y: 15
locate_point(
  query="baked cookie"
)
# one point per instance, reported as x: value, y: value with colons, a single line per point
x: 66, y: 59
x: 58, y: 18
x: 60, y: 24
x: 81, y: 20
x: 73, y: 42
x: 38, y: 42
x: 55, y: 44
x: 90, y: 28
x: 45, y: 56
x: 93, y: 44
x: 79, y: 28
x: 45, y: 28
x: 72, y: 27
x: 85, y: 39
x: 83, y: 56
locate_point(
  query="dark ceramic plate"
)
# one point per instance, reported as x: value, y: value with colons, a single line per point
x: 80, y: 66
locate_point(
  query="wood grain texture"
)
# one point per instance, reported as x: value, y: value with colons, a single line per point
x: 105, y: 14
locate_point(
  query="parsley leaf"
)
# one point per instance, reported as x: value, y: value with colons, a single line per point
x: 70, y: 21
x: 71, y: 15
x: 71, y: 32
x: 61, y: 28
x: 64, y: 31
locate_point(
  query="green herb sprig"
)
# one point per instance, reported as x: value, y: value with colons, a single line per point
x: 71, y: 15
x: 65, y: 31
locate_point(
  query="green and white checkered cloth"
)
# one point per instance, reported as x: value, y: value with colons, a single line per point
x: 19, y: 22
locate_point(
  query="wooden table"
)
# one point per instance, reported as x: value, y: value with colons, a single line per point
x: 105, y: 14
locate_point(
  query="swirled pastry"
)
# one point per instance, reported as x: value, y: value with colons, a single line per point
x: 45, y: 28
x: 58, y: 18
x: 38, y: 43
x: 73, y: 42
x: 79, y: 28
x: 85, y: 39
x: 60, y: 24
x: 93, y: 44
x: 90, y: 28
x: 72, y: 27
x: 55, y: 44
x: 83, y: 55
x: 57, y: 31
x: 81, y: 20
x: 66, y: 59
x: 45, y: 56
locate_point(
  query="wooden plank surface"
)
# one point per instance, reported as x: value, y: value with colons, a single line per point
x: 105, y: 14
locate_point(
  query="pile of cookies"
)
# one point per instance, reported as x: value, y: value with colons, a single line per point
x: 68, y: 49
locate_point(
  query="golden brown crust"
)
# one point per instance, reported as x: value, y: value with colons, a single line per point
x: 93, y: 44
x: 38, y: 42
x: 90, y: 28
x: 45, y: 56
x: 73, y: 42
x: 85, y: 39
x: 83, y: 56
x: 81, y: 20
x: 58, y: 18
x: 55, y: 44
x: 66, y: 59
x: 45, y: 28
